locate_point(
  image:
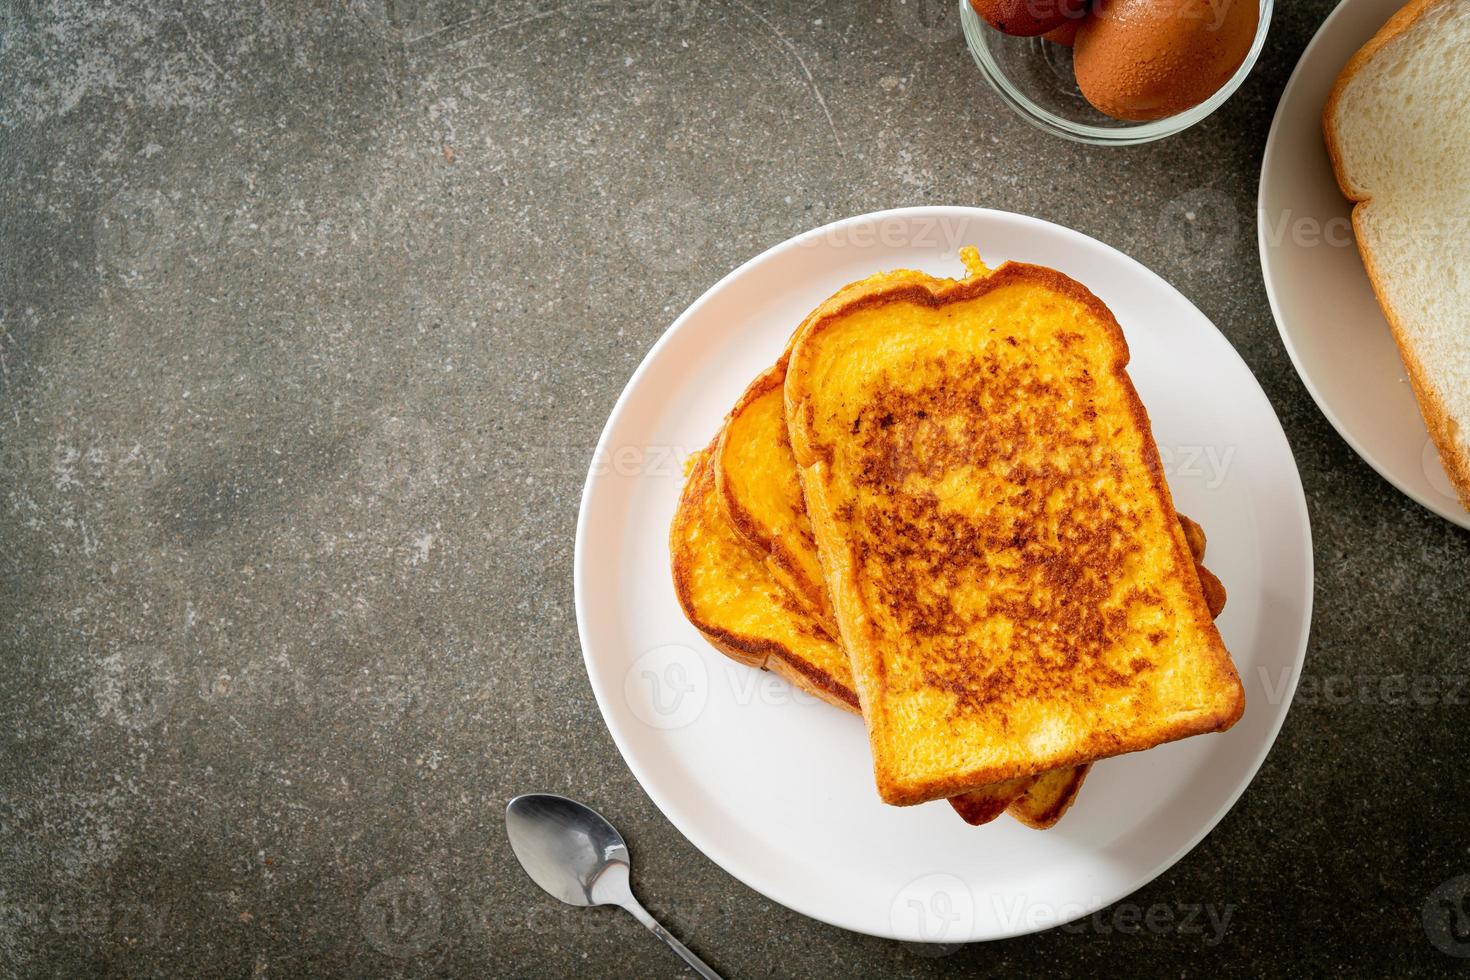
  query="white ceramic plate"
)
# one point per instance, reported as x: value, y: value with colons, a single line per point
x: 1323, y: 302
x: 776, y: 787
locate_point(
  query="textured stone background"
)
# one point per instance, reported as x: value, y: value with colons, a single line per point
x: 309, y: 318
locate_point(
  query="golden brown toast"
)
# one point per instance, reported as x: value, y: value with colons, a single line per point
x: 760, y: 494
x: 753, y: 437
x: 728, y: 594
x: 1011, y: 581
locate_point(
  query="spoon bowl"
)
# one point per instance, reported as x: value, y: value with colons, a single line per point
x: 573, y: 853
x: 565, y: 847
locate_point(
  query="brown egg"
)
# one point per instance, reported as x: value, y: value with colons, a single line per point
x: 1150, y: 59
x: 1028, y: 18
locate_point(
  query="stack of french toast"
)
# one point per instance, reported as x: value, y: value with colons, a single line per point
x: 943, y: 507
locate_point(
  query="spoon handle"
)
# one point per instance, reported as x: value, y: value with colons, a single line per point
x: 641, y: 914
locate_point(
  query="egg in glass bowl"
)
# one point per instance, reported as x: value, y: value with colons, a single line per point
x: 1115, y: 72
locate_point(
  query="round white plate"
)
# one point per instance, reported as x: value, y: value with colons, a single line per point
x: 1323, y: 302
x: 776, y: 787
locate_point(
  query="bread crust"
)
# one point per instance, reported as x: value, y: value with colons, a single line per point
x: 1041, y: 810
x: 778, y: 557
x: 1437, y: 419
x: 815, y: 460
x: 977, y: 809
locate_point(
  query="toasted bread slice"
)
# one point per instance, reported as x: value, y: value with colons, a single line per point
x: 730, y: 596
x: 1396, y: 124
x: 1010, y: 579
x: 760, y: 494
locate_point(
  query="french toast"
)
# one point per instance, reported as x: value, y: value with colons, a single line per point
x: 1011, y: 582
x: 760, y: 495
x: 729, y: 595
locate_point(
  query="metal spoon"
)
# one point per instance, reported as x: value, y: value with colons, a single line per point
x: 573, y: 852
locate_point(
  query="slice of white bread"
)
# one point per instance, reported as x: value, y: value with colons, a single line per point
x: 1398, y: 130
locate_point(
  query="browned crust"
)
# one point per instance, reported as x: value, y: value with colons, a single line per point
x: 1194, y: 536
x: 751, y: 652
x: 1213, y: 589
x: 1041, y: 812
x: 740, y: 519
x: 1437, y: 419
x: 980, y: 808
x: 980, y: 811
x: 799, y: 414
x: 814, y: 681
x: 777, y: 659
x: 812, y: 596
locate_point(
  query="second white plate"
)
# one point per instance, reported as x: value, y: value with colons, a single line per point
x: 1320, y: 294
x: 778, y: 788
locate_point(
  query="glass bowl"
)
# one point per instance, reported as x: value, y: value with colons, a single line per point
x: 1035, y: 78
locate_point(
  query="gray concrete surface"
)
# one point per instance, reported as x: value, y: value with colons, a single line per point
x: 310, y: 315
